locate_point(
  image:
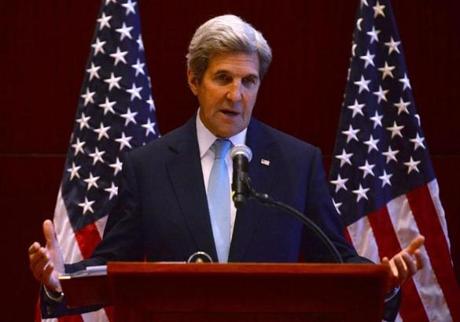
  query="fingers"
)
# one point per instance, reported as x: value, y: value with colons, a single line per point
x: 415, y: 244
x: 401, y: 268
x: 419, y: 259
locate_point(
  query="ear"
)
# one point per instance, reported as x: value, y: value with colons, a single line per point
x: 192, y: 82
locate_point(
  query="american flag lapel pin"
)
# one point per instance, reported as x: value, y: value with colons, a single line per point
x: 265, y: 162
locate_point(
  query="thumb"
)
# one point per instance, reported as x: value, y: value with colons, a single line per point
x: 50, y: 235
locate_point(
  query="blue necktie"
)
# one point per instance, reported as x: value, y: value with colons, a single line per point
x: 219, y: 199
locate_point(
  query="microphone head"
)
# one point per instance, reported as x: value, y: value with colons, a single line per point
x: 241, y: 149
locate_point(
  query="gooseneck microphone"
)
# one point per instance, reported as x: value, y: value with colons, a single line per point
x: 242, y: 190
x: 241, y: 156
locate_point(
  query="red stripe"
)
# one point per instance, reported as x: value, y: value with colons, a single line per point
x: 70, y: 318
x: 109, y: 313
x: 88, y: 238
x: 412, y: 308
x: 426, y: 217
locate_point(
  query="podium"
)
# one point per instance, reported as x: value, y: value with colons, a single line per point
x: 166, y: 292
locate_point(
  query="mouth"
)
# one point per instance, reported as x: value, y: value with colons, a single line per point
x: 230, y: 113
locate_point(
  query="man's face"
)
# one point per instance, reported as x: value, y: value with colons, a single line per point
x: 227, y: 92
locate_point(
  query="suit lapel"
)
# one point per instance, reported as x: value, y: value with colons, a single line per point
x: 186, y: 176
x: 262, y: 171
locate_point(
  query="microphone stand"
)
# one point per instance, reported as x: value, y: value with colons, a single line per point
x: 265, y: 199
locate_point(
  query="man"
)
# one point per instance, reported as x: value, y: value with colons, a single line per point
x: 167, y: 209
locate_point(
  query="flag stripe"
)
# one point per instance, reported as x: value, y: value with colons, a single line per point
x: 404, y: 223
x: 363, y: 239
x: 412, y: 308
x: 87, y: 238
x: 420, y: 201
x: 434, y: 193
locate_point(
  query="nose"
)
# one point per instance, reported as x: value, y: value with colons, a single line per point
x: 235, y: 92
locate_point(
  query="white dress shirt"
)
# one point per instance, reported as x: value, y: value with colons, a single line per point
x: 205, y: 141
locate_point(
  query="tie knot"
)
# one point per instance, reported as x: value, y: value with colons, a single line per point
x: 221, y: 147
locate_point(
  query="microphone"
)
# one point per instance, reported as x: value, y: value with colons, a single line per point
x: 241, y: 156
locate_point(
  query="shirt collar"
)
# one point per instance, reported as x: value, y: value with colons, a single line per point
x: 206, y: 138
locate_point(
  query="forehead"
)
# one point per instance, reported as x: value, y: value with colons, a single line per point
x: 239, y: 64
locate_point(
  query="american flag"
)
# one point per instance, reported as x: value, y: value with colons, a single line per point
x: 382, y: 180
x: 115, y: 113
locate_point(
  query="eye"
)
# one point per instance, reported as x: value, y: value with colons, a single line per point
x: 223, y: 78
x: 250, y: 81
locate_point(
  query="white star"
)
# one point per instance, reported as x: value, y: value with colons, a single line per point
x: 102, y: 131
x: 405, y: 81
x: 74, y: 171
x: 402, y: 106
x: 97, y: 156
x: 139, y: 67
x: 364, y: 2
x: 113, y: 81
x: 358, y: 23
x: 356, y: 108
x: 135, y: 92
x: 385, y: 178
x: 351, y: 133
x: 124, y: 141
x: 367, y: 169
x: 361, y: 193
x: 417, y: 117
x: 88, y: 97
x: 340, y: 183
x: 372, y: 144
x: 344, y: 157
x: 91, y: 181
x: 374, y: 34
x: 412, y: 165
x: 387, y: 71
x: 395, y: 129
x: 337, y: 205
x: 377, y: 119
x: 368, y: 59
x: 119, y: 56
x: 78, y: 146
x: 93, y: 71
x: 390, y: 154
x: 151, y: 103
x: 378, y: 10
x: 109, y: 1
x: 98, y: 47
x: 83, y: 121
x: 362, y: 83
x: 418, y: 142
x: 140, y: 43
x: 353, y: 53
x: 117, y: 166
x: 113, y: 190
x: 129, y: 117
x: 149, y: 127
x: 381, y: 94
x: 108, y: 106
x: 86, y: 205
x: 124, y: 31
x: 129, y: 5
x: 393, y: 46
x: 104, y: 21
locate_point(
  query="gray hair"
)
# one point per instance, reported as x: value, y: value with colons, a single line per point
x: 226, y: 34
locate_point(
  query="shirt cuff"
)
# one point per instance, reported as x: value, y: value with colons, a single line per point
x: 52, y: 295
x: 392, y: 294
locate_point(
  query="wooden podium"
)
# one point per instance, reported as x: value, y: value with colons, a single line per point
x: 163, y: 292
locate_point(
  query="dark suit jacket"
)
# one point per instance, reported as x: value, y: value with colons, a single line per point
x: 163, y: 215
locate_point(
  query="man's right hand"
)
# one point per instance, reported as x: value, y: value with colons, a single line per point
x: 46, y: 263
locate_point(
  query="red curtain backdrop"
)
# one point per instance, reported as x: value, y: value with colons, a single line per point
x: 44, y: 46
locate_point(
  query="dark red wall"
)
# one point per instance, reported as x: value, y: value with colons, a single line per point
x: 44, y: 46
